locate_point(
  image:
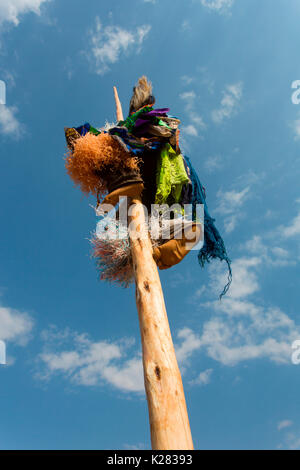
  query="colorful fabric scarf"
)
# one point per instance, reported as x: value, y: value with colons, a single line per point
x: 170, y: 176
x: 213, y: 246
x: 177, y: 181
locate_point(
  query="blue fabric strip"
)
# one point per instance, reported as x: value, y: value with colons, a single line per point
x: 213, y: 246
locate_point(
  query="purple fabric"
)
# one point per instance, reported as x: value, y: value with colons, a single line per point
x: 158, y: 112
x: 143, y: 122
x: 154, y: 113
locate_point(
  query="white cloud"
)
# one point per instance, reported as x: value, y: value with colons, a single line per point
x: 229, y: 103
x: 242, y: 329
x: 248, y: 331
x: 206, y: 79
x: 203, y: 378
x: 245, y: 280
x: 8, y: 77
x: 189, y: 97
x: 190, y: 130
x: 11, y: 10
x: 15, y: 326
x: 190, y: 343
x: 199, y: 292
x: 229, y: 205
x: 218, y: 5
x: 271, y: 246
x: 230, y: 201
x: 213, y: 163
x: 284, y: 424
x: 227, y: 353
x: 291, y: 230
x: 89, y: 363
x: 196, y: 121
x: 110, y: 42
x: 9, y: 124
x: 270, y: 255
x: 292, y: 442
x: 187, y: 80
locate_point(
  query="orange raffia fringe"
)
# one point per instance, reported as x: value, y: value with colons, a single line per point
x: 96, y: 158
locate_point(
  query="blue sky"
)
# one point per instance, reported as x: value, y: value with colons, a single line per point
x: 73, y: 377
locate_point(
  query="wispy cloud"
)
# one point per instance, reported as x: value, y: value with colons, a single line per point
x: 271, y: 247
x: 220, y: 6
x: 292, y: 229
x: 12, y: 10
x: 91, y: 363
x: 291, y: 441
x: 187, y: 80
x: 203, y: 378
x: 85, y: 362
x: 213, y: 163
x: 286, y: 423
x: 229, y: 103
x: 196, y: 122
x: 230, y: 204
x: 15, y: 326
x: 9, y: 123
x: 295, y: 125
x: 190, y: 342
x: 110, y: 42
x: 271, y: 255
x: 241, y: 328
x: 190, y: 130
x: 189, y: 98
x: 206, y: 79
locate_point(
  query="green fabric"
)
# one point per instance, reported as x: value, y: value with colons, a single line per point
x: 170, y: 176
x: 94, y: 131
x: 132, y: 118
x: 163, y: 123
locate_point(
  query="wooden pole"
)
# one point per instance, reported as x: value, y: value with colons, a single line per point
x: 169, y: 423
x: 119, y: 111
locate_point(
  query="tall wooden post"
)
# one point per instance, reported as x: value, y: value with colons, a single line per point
x: 119, y: 111
x: 169, y: 423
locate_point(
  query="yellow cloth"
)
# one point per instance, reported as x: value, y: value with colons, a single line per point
x: 170, y: 176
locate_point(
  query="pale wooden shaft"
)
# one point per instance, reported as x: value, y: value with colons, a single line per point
x: 169, y: 423
x: 119, y: 111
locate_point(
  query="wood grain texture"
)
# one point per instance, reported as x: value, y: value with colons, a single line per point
x: 169, y: 423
